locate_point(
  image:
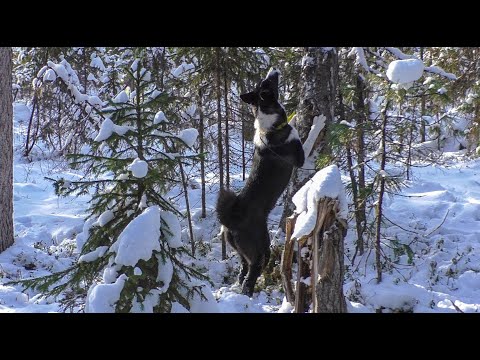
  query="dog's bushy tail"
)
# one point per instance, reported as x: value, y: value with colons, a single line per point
x: 228, y: 209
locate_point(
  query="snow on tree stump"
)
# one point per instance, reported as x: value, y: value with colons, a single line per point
x: 319, y: 227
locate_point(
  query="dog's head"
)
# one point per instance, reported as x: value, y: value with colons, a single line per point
x: 265, y: 95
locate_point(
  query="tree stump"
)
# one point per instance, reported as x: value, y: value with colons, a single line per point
x: 322, y: 260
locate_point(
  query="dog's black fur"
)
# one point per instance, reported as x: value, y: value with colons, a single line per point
x: 277, y: 150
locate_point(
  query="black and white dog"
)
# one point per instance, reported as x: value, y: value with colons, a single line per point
x: 277, y: 151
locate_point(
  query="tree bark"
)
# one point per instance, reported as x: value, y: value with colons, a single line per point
x: 187, y: 204
x: 318, y: 87
x: 227, y: 135
x: 28, y: 146
x: 423, y: 124
x: 201, y: 140
x: 322, y: 262
x: 328, y: 260
x: 379, y: 209
x: 219, y: 135
x: 360, y: 208
x: 6, y: 149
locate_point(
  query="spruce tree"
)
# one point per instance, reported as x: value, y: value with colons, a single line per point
x: 132, y: 258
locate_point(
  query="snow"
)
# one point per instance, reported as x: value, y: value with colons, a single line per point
x: 101, y: 298
x: 121, y: 98
x: 42, y: 71
x: 106, y: 130
x: 398, y: 53
x: 188, y: 136
x: 146, y: 306
x: 49, y: 75
x: 440, y: 208
x: 178, y: 308
x: 134, y: 65
x: 442, y: 91
x: 286, y: 307
x: 143, y: 202
x: 82, y: 237
x: 326, y: 183
x: 145, y: 75
x: 359, y: 57
x: 105, y: 218
x: 93, y: 255
x: 59, y: 70
x: 122, y: 129
x: 110, y: 274
x: 139, y: 238
x: 441, y: 72
x: 96, y: 62
x: 21, y: 112
x: 405, y: 71
x: 154, y: 94
x: 165, y: 273
x: 198, y: 305
x: 95, y: 101
x: 175, y: 239
x: 318, y: 124
x: 139, y: 168
x: 159, y: 117
x: 183, y: 68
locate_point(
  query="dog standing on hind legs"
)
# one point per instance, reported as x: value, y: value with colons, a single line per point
x: 277, y: 151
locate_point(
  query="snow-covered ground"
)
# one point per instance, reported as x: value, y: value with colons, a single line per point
x: 437, y: 217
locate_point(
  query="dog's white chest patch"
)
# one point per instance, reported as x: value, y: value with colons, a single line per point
x: 263, y: 123
x: 260, y: 140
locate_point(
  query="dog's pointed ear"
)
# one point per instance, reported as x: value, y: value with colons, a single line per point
x: 274, y: 76
x: 249, y: 98
x: 271, y: 81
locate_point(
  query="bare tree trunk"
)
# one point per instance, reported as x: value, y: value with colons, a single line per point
x: 187, y: 203
x: 356, y: 200
x: 244, y: 164
x: 227, y: 135
x: 84, y: 72
x: 28, y: 146
x: 317, y: 97
x: 379, y: 213
x: 219, y: 135
x: 242, y: 116
x: 6, y: 149
x: 409, y: 155
x: 422, y: 111
x: 360, y: 207
x: 201, y: 131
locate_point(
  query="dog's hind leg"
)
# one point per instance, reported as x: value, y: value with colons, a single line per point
x: 244, y: 267
x: 257, y: 264
x: 243, y: 271
x: 254, y: 271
